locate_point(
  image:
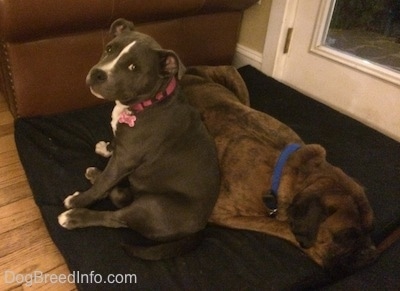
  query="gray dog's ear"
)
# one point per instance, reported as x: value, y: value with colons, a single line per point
x: 121, y: 25
x: 171, y: 65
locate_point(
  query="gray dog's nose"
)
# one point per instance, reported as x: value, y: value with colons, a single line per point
x: 96, y: 76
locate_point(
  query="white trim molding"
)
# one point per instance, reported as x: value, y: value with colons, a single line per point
x: 247, y: 56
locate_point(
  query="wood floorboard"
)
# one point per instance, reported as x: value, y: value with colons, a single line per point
x: 14, y: 192
x: 25, y: 245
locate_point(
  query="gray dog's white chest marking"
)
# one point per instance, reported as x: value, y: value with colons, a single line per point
x: 118, y: 109
x: 101, y: 146
x: 110, y: 65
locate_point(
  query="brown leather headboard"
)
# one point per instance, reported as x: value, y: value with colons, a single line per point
x: 47, y: 47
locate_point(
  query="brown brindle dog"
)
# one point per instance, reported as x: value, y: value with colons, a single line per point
x: 320, y: 209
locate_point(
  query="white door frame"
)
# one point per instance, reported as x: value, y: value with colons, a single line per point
x: 282, y: 16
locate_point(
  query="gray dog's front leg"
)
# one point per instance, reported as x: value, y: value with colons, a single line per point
x: 109, y: 178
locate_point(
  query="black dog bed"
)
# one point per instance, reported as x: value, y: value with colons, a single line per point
x: 56, y: 150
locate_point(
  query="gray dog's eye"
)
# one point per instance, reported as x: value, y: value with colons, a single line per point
x: 131, y: 67
x: 109, y: 49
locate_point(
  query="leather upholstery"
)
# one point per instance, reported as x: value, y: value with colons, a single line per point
x: 47, y: 47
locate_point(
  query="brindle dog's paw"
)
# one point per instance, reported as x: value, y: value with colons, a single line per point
x: 69, y: 201
x: 101, y: 149
x: 72, y: 218
x: 92, y: 173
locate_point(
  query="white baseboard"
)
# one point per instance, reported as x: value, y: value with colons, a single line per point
x: 246, y: 56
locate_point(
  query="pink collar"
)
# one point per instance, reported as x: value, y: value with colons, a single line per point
x: 128, y: 115
x: 135, y: 108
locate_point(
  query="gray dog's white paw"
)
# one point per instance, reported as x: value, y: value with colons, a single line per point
x: 63, y: 219
x: 67, y: 201
x: 101, y: 149
x: 92, y: 173
x: 90, y: 170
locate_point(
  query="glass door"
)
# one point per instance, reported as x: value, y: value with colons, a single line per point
x: 343, y: 53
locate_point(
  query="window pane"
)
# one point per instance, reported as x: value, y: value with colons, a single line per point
x: 368, y: 29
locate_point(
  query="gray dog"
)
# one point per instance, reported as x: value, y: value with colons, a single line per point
x: 160, y: 146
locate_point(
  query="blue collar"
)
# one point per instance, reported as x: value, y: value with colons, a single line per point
x: 272, y: 198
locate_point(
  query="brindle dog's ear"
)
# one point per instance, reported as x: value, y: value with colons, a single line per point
x: 311, y: 156
x: 121, y: 25
x: 171, y: 65
x: 305, y: 215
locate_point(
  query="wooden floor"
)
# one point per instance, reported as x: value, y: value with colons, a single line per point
x: 25, y: 245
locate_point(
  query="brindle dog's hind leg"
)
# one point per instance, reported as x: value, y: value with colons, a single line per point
x: 120, y: 196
